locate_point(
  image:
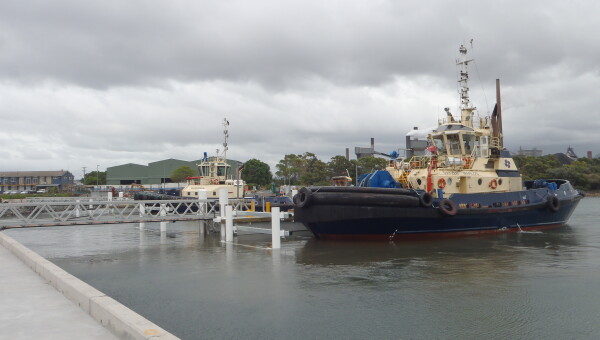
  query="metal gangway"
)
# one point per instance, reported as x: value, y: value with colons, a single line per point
x: 94, y: 211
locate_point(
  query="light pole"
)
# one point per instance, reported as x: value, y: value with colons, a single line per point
x: 97, y: 175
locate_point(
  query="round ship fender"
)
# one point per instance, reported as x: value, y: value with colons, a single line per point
x: 447, y: 207
x: 425, y: 199
x: 303, y: 198
x: 553, y: 203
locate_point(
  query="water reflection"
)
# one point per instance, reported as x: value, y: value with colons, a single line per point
x: 327, y: 253
x: 495, y: 259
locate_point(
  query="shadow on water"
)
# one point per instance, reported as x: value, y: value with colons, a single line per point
x: 328, y: 253
x: 456, y: 262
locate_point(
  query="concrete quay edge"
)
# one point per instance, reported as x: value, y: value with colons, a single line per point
x: 120, y: 320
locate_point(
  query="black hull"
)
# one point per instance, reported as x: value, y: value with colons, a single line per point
x: 532, y: 209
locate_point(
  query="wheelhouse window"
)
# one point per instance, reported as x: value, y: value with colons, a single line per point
x: 438, y: 142
x: 468, y: 143
x: 204, y: 170
x: 453, y: 144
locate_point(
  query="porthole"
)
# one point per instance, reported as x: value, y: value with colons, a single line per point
x: 500, y: 181
x: 449, y: 181
x: 479, y: 181
x: 419, y: 181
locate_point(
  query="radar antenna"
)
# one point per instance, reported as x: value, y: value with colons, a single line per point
x: 466, y: 107
x: 226, y: 137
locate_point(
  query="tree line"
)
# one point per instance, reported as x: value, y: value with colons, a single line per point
x: 584, y: 173
x: 306, y: 169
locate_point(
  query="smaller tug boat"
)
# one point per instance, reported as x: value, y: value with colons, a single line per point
x: 215, y: 174
x: 468, y: 184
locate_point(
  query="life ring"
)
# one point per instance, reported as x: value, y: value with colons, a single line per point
x: 493, y: 184
x: 441, y: 183
x: 425, y: 199
x: 553, y: 203
x: 214, y: 181
x: 304, y: 196
x: 447, y: 207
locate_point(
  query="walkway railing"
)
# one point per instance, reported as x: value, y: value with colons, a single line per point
x: 84, y: 211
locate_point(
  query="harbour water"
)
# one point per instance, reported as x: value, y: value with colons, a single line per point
x: 515, y: 285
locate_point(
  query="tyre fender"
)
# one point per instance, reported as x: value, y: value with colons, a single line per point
x: 425, y: 199
x: 304, y: 197
x: 553, y: 203
x: 447, y: 207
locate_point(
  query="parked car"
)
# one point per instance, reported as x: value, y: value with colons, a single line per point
x: 41, y: 191
x: 283, y: 202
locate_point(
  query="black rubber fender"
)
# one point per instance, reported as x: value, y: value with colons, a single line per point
x: 425, y: 199
x: 553, y: 203
x: 447, y: 207
x: 304, y: 197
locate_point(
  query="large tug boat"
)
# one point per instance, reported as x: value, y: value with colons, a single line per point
x: 467, y: 184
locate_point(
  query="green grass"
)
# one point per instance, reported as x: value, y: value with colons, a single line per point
x: 22, y: 196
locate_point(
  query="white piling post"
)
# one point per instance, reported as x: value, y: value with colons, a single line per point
x: 228, y: 223
x: 163, y: 212
x: 142, y: 209
x: 275, y: 228
x: 120, y: 195
x: 109, y: 199
x: 223, y: 200
x: 203, y: 199
x: 202, y: 227
x: 91, y: 206
x: 77, y: 211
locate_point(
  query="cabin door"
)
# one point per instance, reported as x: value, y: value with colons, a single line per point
x: 484, y: 145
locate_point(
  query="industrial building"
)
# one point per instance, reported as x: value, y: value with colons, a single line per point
x: 30, y: 181
x: 416, y: 143
x: 158, y: 172
x: 532, y: 152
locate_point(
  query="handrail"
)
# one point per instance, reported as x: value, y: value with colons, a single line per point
x: 44, y: 213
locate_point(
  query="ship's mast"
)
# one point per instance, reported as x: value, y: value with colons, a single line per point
x: 226, y: 135
x: 466, y: 108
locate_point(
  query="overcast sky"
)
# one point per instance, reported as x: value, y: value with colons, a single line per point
x: 87, y: 83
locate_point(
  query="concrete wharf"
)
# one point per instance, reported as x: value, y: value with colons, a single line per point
x: 33, y: 307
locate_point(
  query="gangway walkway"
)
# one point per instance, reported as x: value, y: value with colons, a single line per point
x: 37, y: 214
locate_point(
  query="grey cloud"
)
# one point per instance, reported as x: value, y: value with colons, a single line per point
x: 114, y: 43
